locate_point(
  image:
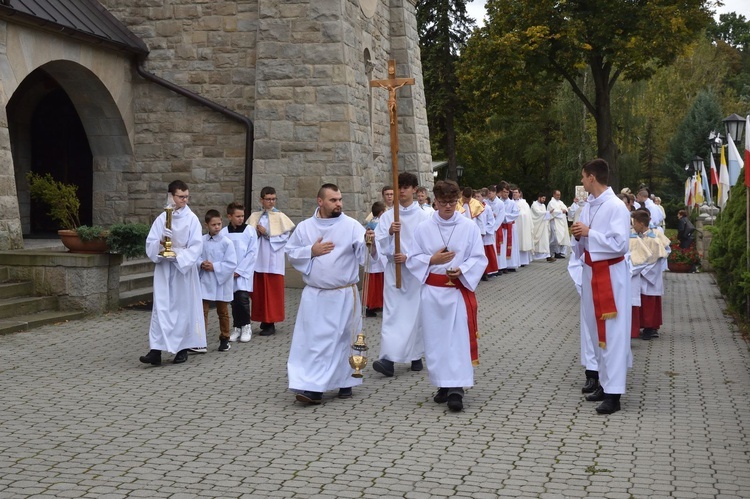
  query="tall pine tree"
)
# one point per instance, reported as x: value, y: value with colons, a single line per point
x: 444, y: 27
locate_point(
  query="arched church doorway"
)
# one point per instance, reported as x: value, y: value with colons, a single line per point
x: 57, y: 144
x: 63, y: 120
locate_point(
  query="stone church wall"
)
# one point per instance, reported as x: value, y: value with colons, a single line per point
x: 207, y: 47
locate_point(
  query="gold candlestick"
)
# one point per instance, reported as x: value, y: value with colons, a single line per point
x: 167, y: 251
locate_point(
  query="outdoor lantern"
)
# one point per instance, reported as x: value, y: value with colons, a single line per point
x: 697, y: 162
x: 734, y: 126
x: 714, y: 138
x: 459, y: 171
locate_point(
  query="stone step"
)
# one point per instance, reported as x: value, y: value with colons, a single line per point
x: 12, y: 289
x: 31, y: 321
x: 133, y: 297
x: 132, y: 282
x: 136, y: 266
x: 26, y: 305
x: 3, y: 274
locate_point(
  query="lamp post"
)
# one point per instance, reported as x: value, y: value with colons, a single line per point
x: 734, y: 125
x: 459, y: 171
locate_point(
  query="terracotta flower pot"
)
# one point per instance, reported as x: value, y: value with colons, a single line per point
x: 74, y: 244
x: 680, y: 267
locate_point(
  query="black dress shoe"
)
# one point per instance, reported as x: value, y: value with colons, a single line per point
x: 646, y: 334
x: 265, y: 325
x: 559, y: 256
x: 416, y: 365
x: 484, y: 277
x: 384, y: 367
x: 591, y: 385
x: 597, y: 396
x: 611, y: 404
x: 455, y: 402
x: 181, y: 357
x: 153, y: 357
x: 345, y: 393
x: 268, y: 331
x: 311, y: 398
x: 441, y: 397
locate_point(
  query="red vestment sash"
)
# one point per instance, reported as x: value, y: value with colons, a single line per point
x: 489, y: 251
x: 601, y: 289
x: 268, y: 298
x: 509, y: 227
x: 499, y: 239
x: 470, y: 300
x: 374, y: 294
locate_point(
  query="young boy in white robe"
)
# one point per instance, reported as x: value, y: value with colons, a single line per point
x: 652, y: 281
x: 640, y: 258
x: 448, y: 258
x: 327, y: 249
x: 376, y: 270
x: 602, y: 240
x: 245, y: 240
x: 216, y: 270
x: 273, y: 229
x: 176, y: 321
x: 401, y: 331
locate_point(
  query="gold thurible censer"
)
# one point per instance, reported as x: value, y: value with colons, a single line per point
x: 358, y: 358
x: 168, y: 208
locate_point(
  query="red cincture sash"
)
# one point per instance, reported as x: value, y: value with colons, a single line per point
x: 499, y: 239
x: 601, y: 289
x: 470, y: 300
x: 509, y: 227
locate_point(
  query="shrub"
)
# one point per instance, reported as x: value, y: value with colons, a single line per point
x: 61, y: 198
x: 728, y: 251
x: 129, y: 240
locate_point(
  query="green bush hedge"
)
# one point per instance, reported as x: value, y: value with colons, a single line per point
x: 728, y: 251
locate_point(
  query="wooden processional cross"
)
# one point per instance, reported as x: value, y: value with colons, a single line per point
x: 392, y: 84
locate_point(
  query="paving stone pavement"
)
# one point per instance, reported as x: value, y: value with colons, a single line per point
x: 81, y: 417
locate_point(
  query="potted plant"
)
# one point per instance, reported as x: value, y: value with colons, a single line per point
x: 683, y: 259
x: 128, y: 239
x: 64, y: 205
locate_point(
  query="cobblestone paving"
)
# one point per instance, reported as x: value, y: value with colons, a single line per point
x: 81, y: 417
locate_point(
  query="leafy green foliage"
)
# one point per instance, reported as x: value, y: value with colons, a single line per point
x: 728, y: 251
x: 526, y: 46
x: 128, y: 239
x: 61, y: 198
x: 89, y: 233
x: 444, y: 27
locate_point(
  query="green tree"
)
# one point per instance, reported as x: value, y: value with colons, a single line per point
x: 444, y: 28
x: 526, y: 42
x: 691, y: 136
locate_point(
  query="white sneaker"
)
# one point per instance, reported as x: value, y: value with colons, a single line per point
x: 235, y: 334
x: 247, y: 333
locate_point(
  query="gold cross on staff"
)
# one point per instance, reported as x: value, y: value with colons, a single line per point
x: 392, y: 84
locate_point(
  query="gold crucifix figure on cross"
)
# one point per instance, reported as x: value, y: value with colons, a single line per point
x: 392, y: 84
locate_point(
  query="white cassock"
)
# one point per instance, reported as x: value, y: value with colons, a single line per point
x: 427, y: 208
x: 246, y: 248
x: 270, y: 258
x: 656, y: 214
x: 217, y: 285
x: 588, y: 345
x: 443, y: 311
x: 525, y: 228
x: 652, y: 277
x: 177, y: 316
x: 609, y: 232
x: 401, y: 332
x: 488, y: 231
x: 559, y: 235
x: 540, y: 220
x: 512, y: 212
x: 329, y: 310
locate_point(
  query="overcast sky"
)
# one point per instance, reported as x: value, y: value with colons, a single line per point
x: 476, y: 8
